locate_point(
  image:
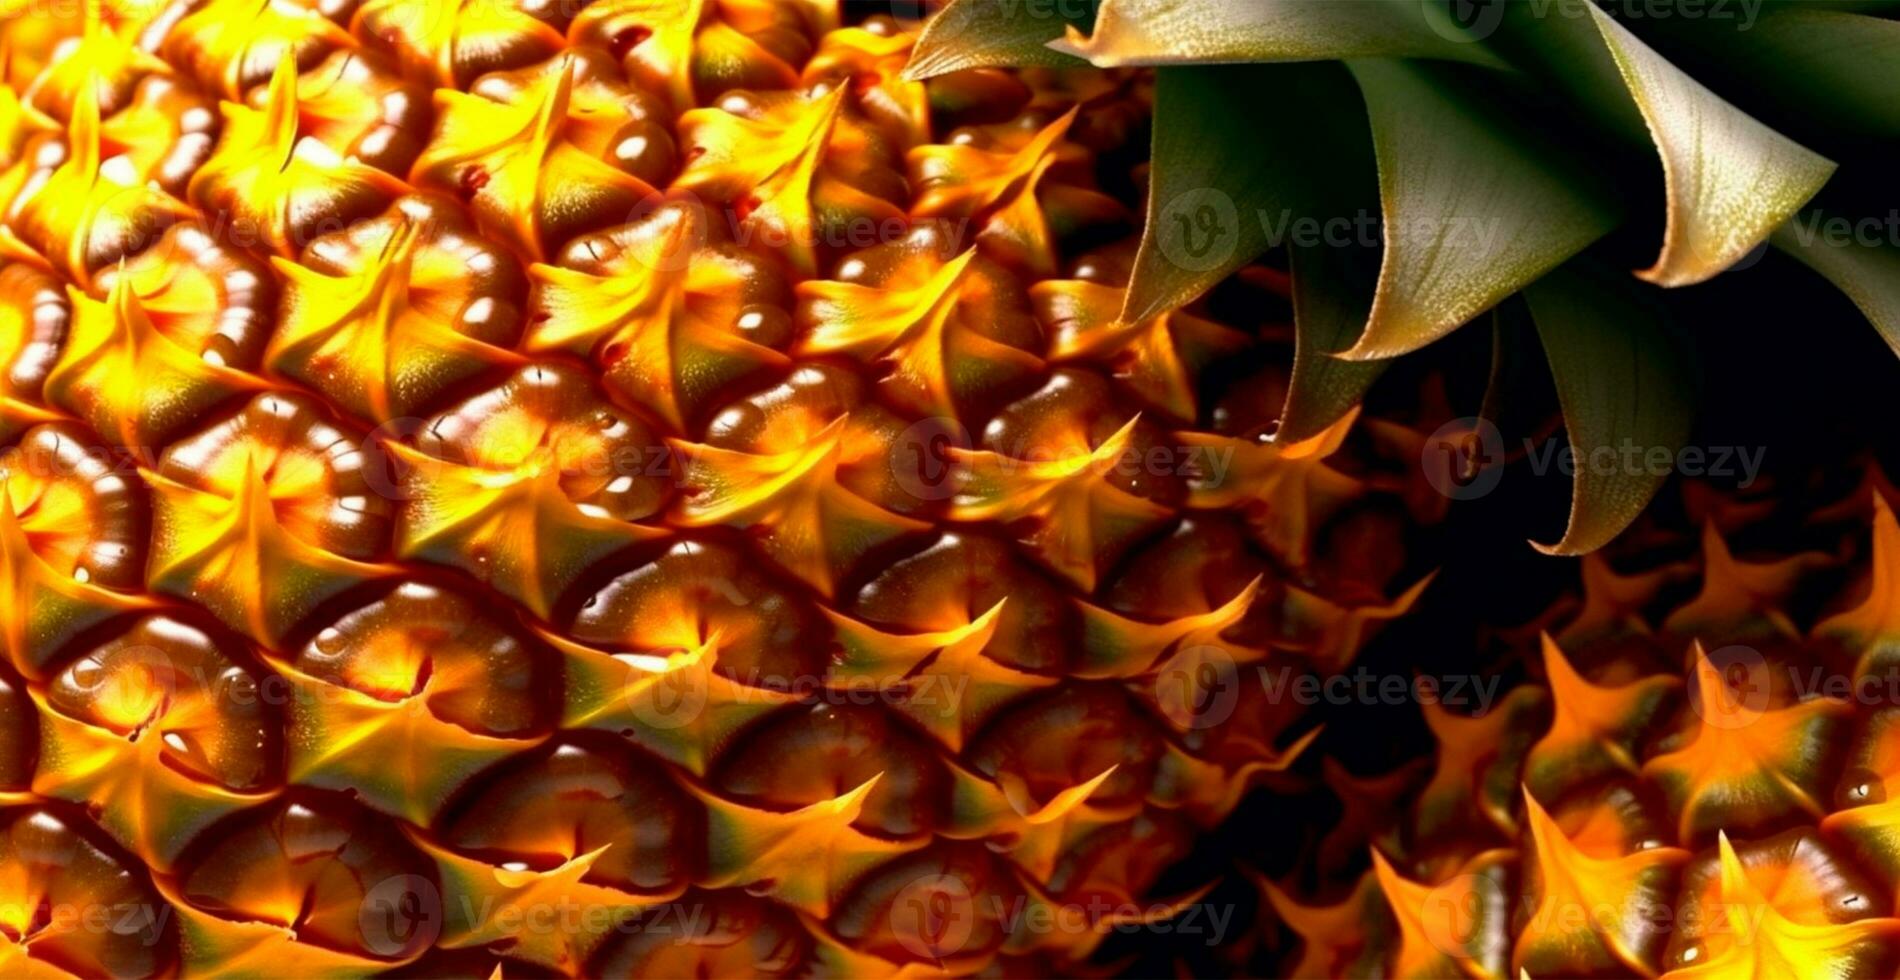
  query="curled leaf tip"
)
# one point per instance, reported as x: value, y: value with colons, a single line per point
x: 1729, y: 179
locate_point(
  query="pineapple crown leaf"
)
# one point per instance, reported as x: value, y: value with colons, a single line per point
x: 1622, y: 380
x: 974, y: 34
x: 1732, y: 183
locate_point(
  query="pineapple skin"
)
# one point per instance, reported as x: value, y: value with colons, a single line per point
x: 1696, y: 781
x: 621, y: 489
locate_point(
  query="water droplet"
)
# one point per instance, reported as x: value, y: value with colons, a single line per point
x: 87, y: 675
x: 1861, y: 786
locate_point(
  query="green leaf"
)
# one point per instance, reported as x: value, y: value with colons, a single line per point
x: 1222, y: 194
x: 1728, y: 180
x: 1474, y: 208
x: 1218, y: 189
x: 1329, y: 305
x: 993, y: 33
x: 1833, y: 74
x: 1176, y: 32
x: 1623, y: 382
x: 1867, y: 274
x: 1333, y: 277
x: 1559, y: 43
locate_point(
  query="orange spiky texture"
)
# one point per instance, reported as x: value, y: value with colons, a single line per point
x: 1594, y: 731
x: 872, y: 59
x: 90, y: 210
x: 145, y: 724
x: 795, y: 169
x: 676, y: 316
x: 102, y: 58
x: 229, y: 46
x: 1730, y: 819
x: 1007, y: 188
x: 115, y: 340
x: 1869, y: 626
x: 359, y: 105
x: 415, y: 306
x: 1620, y: 897
x: 517, y: 166
x: 1158, y: 358
x: 1081, y: 519
x: 450, y: 44
x: 273, y: 185
x: 1456, y: 926
x: 1770, y: 930
x: 940, y: 324
x: 808, y: 520
x: 470, y: 460
x: 695, y: 50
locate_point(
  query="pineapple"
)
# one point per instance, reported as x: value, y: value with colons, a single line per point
x: 1697, y: 784
x: 1500, y: 152
x: 630, y: 488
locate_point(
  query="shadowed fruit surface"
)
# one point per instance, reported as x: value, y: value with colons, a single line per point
x: 1695, y: 782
